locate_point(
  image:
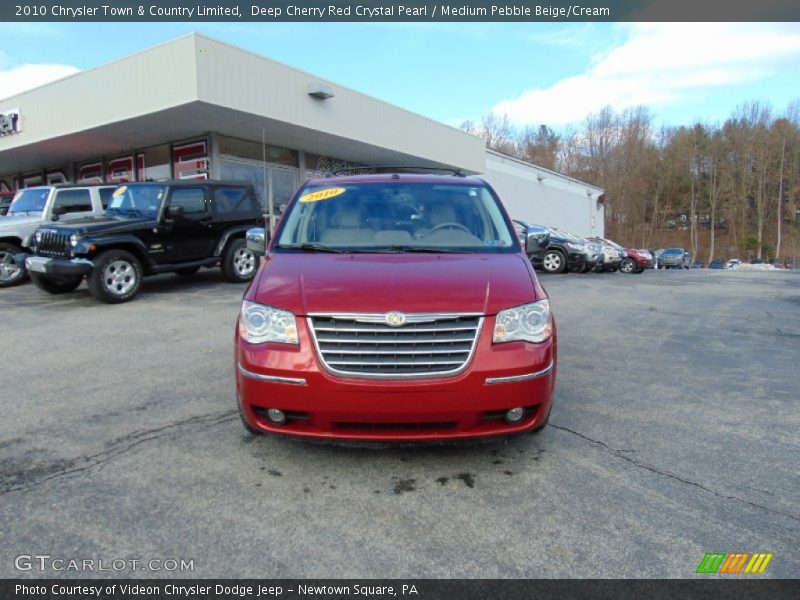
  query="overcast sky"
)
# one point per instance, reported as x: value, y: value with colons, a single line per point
x: 553, y: 73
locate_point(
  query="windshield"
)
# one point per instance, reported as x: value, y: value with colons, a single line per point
x: 30, y: 200
x: 136, y: 200
x: 568, y: 236
x: 389, y: 216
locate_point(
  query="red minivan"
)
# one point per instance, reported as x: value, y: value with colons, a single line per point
x: 394, y: 307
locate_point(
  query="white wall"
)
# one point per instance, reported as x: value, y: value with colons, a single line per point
x: 543, y: 197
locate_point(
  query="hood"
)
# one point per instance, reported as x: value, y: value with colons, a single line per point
x: 380, y: 283
x: 21, y: 219
x: 101, y: 225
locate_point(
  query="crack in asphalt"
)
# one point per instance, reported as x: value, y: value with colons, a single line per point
x: 33, y: 476
x: 619, y: 454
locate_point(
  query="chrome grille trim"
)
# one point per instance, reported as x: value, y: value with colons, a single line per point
x: 52, y: 243
x: 427, y: 345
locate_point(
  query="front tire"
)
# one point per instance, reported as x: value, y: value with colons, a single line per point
x: 627, y: 266
x: 239, y: 264
x: 11, y: 272
x: 554, y: 262
x: 55, y: 286
x: 116, y: 277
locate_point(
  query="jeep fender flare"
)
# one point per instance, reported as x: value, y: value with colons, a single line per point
x: 12, y: 237
x: 125, y: 242
x: 228, y: 235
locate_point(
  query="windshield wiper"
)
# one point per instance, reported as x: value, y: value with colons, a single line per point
x: 311, y: 247
x: 423, y: 249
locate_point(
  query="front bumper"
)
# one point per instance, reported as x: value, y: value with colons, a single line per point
x: 58, y: 267
x: 324, y: 406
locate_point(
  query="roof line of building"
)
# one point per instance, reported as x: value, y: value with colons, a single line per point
x: 549, y: 171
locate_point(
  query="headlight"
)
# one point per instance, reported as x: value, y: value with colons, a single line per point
x: 37, y: 237
x: 259, y: 324
x: 73, y: 240
x: 529, y: 322
x: 575, y: 246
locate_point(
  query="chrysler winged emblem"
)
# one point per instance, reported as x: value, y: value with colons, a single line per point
x: 394, y: 319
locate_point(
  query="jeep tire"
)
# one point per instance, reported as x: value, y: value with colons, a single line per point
x: 11, y: 273
x: 239, y: 263
x: 116, y: 277
x: 55, y: 286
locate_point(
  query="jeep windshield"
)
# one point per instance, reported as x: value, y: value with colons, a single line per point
x: 28, y: 201
x: 141, y: 200
x: 396, y: 217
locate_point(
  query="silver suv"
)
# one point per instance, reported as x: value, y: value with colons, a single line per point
x: 43, y: 204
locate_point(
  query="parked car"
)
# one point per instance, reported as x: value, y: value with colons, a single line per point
x: 149, y: 228
x: 674, y: 258
x: 395, y: 307
x: 595, y: 256
x: 717, y: 263
x: 532, y: 237
x: 731, y: 264
x: 43, y: 204
x: 698, y: 264
x: 612, y: 254
x: 5, y: 202
x: 564, y: 251
x: 647, y: 256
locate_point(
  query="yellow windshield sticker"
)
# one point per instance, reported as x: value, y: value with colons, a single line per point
x: 322, y: 194
x: 120, y: 191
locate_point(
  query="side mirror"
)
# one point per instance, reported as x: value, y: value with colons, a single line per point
x: 58, y: 211
x: 175, y: 212
x: 257, y: 240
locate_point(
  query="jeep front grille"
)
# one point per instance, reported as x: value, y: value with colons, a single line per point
x: 365, y: 345
x: 53, y: 243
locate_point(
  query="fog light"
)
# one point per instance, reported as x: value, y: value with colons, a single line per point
x: 514, y: 415
x: 276, y: 416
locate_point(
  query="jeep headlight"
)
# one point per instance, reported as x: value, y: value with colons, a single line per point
x: 529, y: 322
x: 74, y: 239
x: 37, y: 237
x: 259, y: 324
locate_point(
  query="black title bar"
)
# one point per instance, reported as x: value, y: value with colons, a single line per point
x: 392, y: 10
x: 410, y: 589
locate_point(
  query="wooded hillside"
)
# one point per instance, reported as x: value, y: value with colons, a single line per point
x: 721, y: 190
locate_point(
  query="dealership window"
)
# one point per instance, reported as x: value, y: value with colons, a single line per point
x: 278, y: 181
x: 190, y: 160
x: 155, y: 163
x: 90, y: 172
x: 74, y: 201
x: 257, y: 151
x: 284, y: 183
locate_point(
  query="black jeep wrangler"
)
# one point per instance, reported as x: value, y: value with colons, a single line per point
x: 147, y: 229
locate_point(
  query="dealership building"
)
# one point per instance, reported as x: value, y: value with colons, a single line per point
x: 222, y: 112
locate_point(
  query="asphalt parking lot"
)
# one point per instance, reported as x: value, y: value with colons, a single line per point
x: 675, y: 432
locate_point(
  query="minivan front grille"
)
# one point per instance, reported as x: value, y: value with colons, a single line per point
x: 52, y: 243
x: 367, y: 346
